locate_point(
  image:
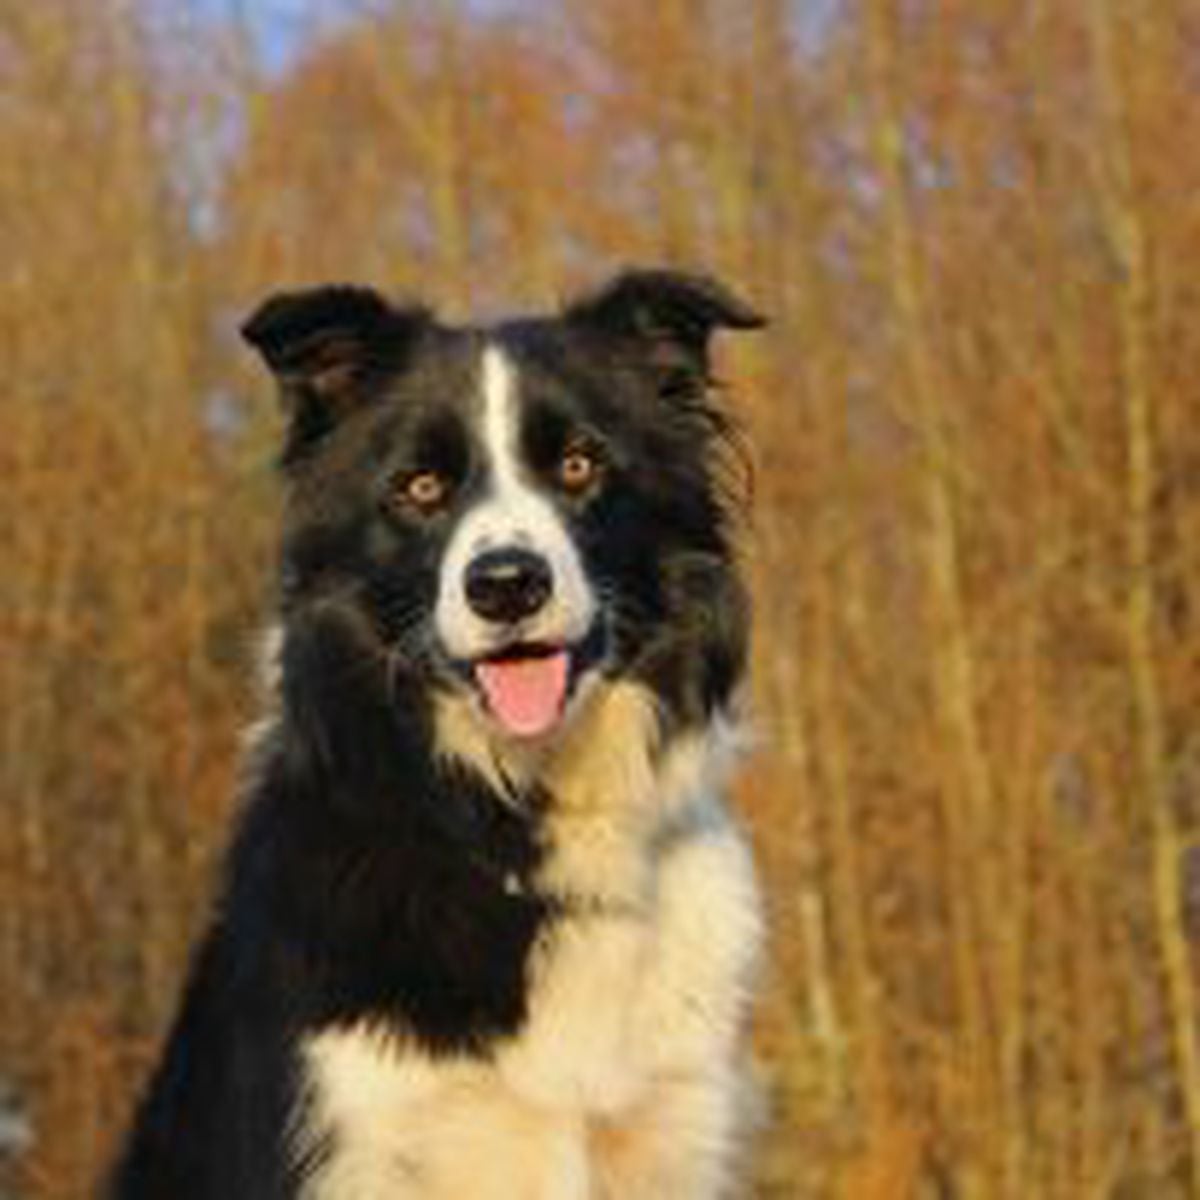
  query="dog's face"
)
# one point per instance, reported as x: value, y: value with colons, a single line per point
x: 512, y: 514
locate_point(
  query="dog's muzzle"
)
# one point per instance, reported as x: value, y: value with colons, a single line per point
x: 509, y: 585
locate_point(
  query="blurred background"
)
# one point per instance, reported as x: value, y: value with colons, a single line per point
x: 975, y: 538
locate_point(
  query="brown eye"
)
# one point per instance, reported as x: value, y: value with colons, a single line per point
x: 578, y: 469
x: 426, y: 491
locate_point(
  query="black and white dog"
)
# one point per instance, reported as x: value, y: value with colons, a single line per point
x: 486, y: 929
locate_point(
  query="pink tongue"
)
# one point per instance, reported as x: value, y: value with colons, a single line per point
x: 525, y: 694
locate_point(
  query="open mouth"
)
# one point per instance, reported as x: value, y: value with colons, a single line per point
x: 525, y: 687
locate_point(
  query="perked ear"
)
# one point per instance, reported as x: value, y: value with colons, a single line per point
x: 325, y: 347
x: 665, y: 308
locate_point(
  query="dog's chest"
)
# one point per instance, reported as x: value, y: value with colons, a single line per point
x: 618, y: 1001
x: 582, y: 1043
x: 622, y: 995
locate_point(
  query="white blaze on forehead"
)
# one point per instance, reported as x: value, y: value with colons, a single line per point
x: 511, y: 512
x: 501, y: 419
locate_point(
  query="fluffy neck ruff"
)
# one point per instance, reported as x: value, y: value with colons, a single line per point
x: 608, y: 793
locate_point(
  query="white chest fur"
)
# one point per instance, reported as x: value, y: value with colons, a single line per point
x: 645, y: 988
x: 622, y: 1083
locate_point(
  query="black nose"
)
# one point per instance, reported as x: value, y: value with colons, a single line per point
x: 507, y: 585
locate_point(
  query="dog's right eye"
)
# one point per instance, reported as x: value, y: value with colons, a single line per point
x: 425, y: 492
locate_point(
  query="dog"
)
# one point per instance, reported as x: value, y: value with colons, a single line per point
x: 486, y: 928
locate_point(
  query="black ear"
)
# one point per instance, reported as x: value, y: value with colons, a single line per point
x: 665, y: 309
x: 326, y: 346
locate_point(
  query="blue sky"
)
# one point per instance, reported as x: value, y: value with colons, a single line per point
x: 280, y: 27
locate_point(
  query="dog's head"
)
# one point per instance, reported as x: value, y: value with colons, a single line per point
x: 512, y: 514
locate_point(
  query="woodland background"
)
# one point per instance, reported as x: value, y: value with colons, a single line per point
x: 975, y: 537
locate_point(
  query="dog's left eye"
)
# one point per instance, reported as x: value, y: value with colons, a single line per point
x: 578, y: 469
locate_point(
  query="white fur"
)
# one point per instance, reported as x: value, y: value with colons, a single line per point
x: 512, y: 513
x: 624, y: 1082
x: 409, y: 1127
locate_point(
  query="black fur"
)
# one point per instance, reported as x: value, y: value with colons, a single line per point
x: 369, y: 880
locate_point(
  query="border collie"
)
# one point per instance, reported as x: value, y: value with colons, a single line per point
x: 486, y: 929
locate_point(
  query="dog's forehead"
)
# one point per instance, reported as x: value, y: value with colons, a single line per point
x: 533, y: 362
x: 551, y: 365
